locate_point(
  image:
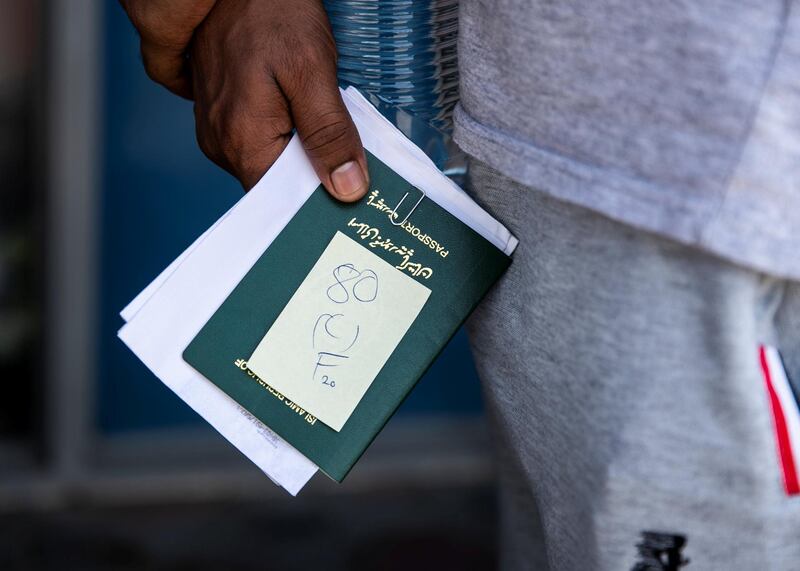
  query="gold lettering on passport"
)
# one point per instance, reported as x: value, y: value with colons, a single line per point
x: 372, y: 237
x: 374, y: 200
x: 309, y: 418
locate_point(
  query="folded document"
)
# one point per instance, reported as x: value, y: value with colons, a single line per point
x: 192, y: 302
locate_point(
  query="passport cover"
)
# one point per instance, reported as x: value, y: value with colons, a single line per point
x: 431, y: 245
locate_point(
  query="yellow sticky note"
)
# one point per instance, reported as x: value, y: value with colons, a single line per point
x: 338, y: 330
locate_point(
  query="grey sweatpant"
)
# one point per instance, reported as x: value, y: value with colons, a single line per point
x: 622, y: 378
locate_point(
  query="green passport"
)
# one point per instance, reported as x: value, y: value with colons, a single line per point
x: 343, y: 313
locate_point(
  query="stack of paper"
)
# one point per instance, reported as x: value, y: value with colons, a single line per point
x: 167, y: 315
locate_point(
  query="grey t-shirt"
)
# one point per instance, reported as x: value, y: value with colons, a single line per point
x: 682, y: 118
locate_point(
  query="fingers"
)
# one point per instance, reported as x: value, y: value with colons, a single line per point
x: 244, y: 134
x: 167, y: 67
x: 245, y: 157
x: 258, y: 71
x: 166, y: 28
x: 324, y: 125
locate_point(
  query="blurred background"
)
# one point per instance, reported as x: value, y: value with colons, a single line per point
x: 101, y: 466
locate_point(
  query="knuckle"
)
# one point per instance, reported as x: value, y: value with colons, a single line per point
x: 310, y: 54
x: 215, y: 117
x: 205, y: 143
x: 238, y: 150
x: 331, y: 135
x: 145, y: 18
x: 205, y: 137
x: 215, y: 114
x: 303, y: 58
x: 151, y: 66
x: 162, y: 67
x: 248, y: 163
x: 161, y: 26
x: 136, y: 12
x: 251, y: 168
x: 209, y: 149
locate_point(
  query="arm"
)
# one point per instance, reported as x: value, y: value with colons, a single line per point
x: 256, y: 69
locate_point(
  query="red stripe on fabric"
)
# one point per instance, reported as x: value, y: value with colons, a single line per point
x: 790, y: 480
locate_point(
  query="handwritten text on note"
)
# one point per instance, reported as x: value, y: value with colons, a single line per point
x: 338, y: 330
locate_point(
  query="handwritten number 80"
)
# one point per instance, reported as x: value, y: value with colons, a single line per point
x: 363, y: 285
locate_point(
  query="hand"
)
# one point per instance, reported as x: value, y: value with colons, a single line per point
x: 260, y: 68
x: 166, y: 28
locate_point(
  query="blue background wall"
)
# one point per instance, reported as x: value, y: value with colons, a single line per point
x: 158, y: 193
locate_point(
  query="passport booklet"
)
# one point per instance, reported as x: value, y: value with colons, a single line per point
x: 296, y: 325
x: 343, y: 313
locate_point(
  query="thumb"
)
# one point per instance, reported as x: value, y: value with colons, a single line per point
x: 328, y: 133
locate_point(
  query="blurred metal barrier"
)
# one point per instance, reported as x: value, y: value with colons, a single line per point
x: 72, y: 112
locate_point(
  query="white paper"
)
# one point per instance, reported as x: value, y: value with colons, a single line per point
x: 170, y: 312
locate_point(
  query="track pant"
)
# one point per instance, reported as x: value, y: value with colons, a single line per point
x: 634, y: 419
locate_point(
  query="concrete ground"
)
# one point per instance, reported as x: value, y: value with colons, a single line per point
x: 406, y: 529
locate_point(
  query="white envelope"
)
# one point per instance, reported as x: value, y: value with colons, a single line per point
x: 164, y: 318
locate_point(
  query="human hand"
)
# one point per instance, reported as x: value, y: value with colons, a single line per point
x: 260, y: 68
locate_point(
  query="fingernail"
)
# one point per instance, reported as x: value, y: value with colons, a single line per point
x: 348, y: 179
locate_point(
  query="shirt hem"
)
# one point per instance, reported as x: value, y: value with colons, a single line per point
x: 629, y: 200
